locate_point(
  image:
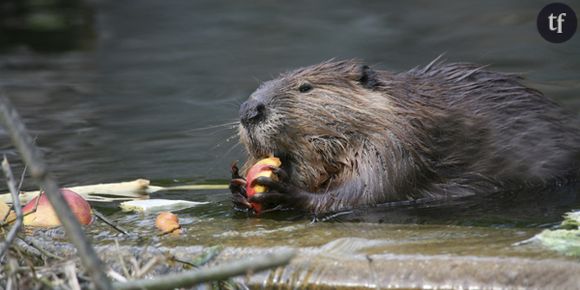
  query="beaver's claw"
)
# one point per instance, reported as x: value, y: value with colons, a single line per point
x: 280, y: 191
x: 238, y: 189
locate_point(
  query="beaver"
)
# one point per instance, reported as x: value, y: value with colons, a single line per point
x: 350, y: 136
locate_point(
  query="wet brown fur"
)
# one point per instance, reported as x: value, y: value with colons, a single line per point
x: 362, y: 137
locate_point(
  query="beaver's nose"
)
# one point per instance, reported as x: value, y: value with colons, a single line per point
x: 252, y: 112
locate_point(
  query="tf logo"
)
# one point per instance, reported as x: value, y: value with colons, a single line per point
x: 557, y: 22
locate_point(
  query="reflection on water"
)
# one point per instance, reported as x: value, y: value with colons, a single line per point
x: 46, y: 25
x: 136, y: 103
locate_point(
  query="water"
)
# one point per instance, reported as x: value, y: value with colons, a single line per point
x: 127, y: 107
x: 135, y: 105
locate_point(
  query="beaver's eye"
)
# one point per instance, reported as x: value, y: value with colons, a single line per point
x: 305, y: 88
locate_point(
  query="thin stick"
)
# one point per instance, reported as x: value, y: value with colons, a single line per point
x: 152, y: 188
x: 109, y: 222
x: 143, y: 270
x: 37, y: 202
x: 17, y: 209
x: 18, y: 190
x: 35, y: 161
x: 3, y: 221
x: 116, y: 276
x: 32, y: 243
x: 174, y: 259
x: 122, y: 261
x: 22, y: 177
x: 221, y: 272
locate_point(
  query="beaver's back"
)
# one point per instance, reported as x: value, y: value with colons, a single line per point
x: 510, y: 132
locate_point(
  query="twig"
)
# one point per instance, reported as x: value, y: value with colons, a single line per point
x: 172, y: 258
x: 33, y: 210
x: 113, y: 274
x: 152, y: 188
x: 143, y: 270
x: 6, y: 215
x: 109, y: 222
x: 32, y: 243
x: 70, y: 272
x: 36, y: 202
x: 33, y: 158
x: 17, y: 189
x: 206, y: 256
x: 12, y: 265
x: 17, y: 209
x: 25, y: 249
x: 122, y: 261
x: 22, y: 177
x: 221, y: 272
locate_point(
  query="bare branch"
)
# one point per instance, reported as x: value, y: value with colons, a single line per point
x: 22, y: 176
x: 217, y: 273
x: 109, y: 222
x: 29, y: 241
x: 35, y: 162
x: 16, y: 204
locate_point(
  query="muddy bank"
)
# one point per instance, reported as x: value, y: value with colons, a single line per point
x: 344, y: 264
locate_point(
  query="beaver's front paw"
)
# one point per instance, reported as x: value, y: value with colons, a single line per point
x: 280, y: 194
x: 238, y: 190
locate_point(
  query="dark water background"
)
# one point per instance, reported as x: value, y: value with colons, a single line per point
x: 126, y: 107
x: 133, y: 100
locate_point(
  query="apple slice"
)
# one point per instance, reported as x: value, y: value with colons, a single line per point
x: 168, y: 223
x: 261, y: 168
x: 45, y: 216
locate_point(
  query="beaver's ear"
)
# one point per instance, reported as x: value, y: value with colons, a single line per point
x: 368, y: 77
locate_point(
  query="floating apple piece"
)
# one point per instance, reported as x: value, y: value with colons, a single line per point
x: 45, y: 216
x: 261, y: 168
x: 4, y: 209
x: 168, y: 223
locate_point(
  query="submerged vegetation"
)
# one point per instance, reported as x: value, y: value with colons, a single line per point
x: 565, y: 239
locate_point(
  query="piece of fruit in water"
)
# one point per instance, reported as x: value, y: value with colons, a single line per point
x: 45, y: 216
x: 168, y: 223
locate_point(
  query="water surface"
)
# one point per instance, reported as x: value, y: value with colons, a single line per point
x: 143, y: 100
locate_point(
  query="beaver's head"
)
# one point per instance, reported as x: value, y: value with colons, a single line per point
x: 316, y: 119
